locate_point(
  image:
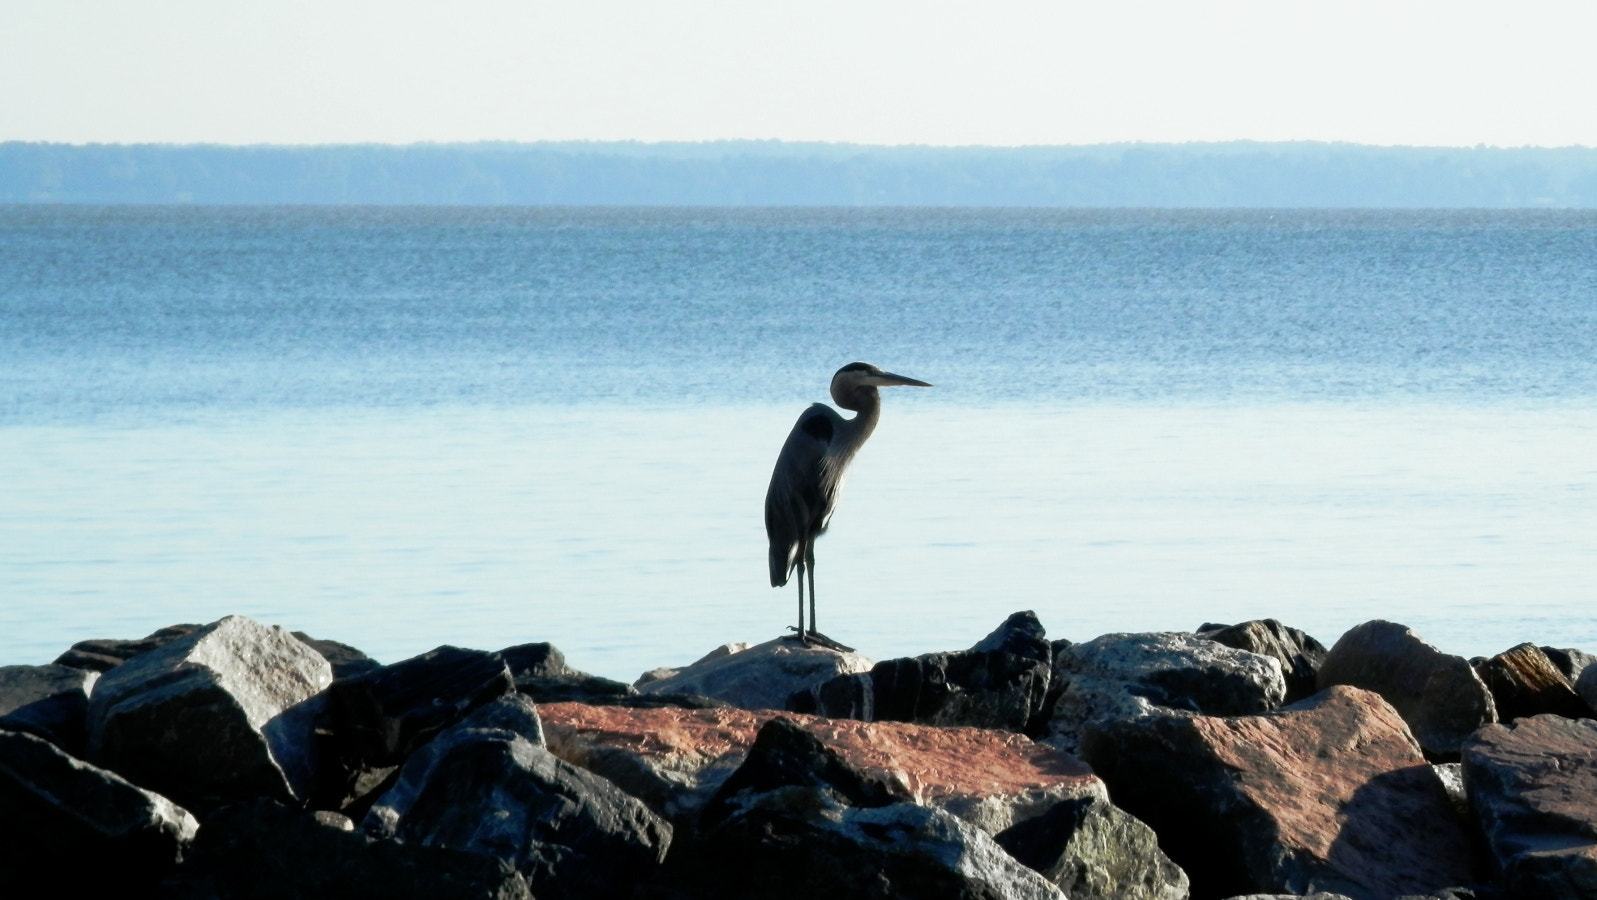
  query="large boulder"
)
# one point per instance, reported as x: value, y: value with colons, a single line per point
x: 760, y: 677
x: 1093, y: 850
x: 49, y: 701
x: 1299, y: 654
x: 1437, y: 694
x: 65, y: 822
x: 1329, y: 794
x: 373, y: 721
x: 1533, y: 786
x: 1525, y: 682
x: 213, y: 717
x: 487, y: 787
x: 1002, y: 682
x: 1127, y: 676
x: 798, y: 808
x: 262, y: 850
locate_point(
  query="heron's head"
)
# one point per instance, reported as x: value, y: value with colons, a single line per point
x: 855, y: 376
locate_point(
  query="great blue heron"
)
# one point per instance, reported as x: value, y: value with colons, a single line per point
x: 809, y: 474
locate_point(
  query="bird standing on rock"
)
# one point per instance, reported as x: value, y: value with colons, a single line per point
x: 809, y: 474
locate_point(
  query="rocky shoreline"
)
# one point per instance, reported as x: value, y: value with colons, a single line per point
x: 239, y: 760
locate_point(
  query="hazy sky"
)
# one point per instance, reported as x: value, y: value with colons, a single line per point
x: 997, y: 72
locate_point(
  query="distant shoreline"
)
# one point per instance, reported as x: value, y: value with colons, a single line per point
x: 1239, y: 174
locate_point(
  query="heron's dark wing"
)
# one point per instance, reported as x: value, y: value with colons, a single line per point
x: 802, y: 489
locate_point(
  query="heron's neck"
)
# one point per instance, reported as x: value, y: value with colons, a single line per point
x: 867, y: 405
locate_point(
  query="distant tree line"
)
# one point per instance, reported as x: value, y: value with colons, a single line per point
x: 759, y: 173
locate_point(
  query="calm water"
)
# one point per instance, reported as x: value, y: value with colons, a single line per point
x: 407, y: 427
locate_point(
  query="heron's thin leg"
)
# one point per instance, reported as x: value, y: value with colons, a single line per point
x: 801, y: 597
x: 809, y: 563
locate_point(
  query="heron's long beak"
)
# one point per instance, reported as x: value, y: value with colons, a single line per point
x: 888, y: 379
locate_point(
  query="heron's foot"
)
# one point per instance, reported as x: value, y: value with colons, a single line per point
x: 816, y: 639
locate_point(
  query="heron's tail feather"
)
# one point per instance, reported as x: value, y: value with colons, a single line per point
x: 781, y: 564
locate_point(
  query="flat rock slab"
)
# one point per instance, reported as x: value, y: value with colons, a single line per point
x: 1331, y: 794
x: 1439, y: 695
x: 1533, y: 786
x: 759, y: 677
x: 675, y: 759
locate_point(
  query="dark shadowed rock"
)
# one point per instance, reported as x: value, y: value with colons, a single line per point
x: 1094, y: 850
x: 1569, y: 661
x: 1524, y: 682
x: 63, y: 821
x: 1021, y: 634
x: 800, y: 843
x: 760, y: 677
x: 832, y: 829
x: 1003, y: 682
x: 1299, y: 655
x: 381, y: 716
x: 784, y: 754
x: 540, y: 672
x: 213, y: 717
x: 1533, y: 786
x: 1438, y: 695
x: 49, y: 701
x: 346, y: 661
x: 1123, y: 676
x: 103, y: 654
x: 262, y: 850
x: 568, y: 831
x: 1329, y: 794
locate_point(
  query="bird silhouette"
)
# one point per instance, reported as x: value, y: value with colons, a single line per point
x: 809, y: 474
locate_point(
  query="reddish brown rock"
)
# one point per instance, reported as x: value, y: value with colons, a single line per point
x: 1330, y: 794
x: 1533, y: 786
x: 1525, y: 682
x: 675, y: 759
x: 1437, y: 694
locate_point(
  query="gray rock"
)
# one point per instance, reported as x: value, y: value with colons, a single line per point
x: 1299, y: 654
x: 213, y: 717
x: 1586, y: 687
x: 1126, y: 676
x: 492, y: 791
x: 1093, y: 850
x: 49, y: 701
x: 1533, y: 787
x: 761, y: 677
x: 64, y: 819
x: 1437, y: 694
